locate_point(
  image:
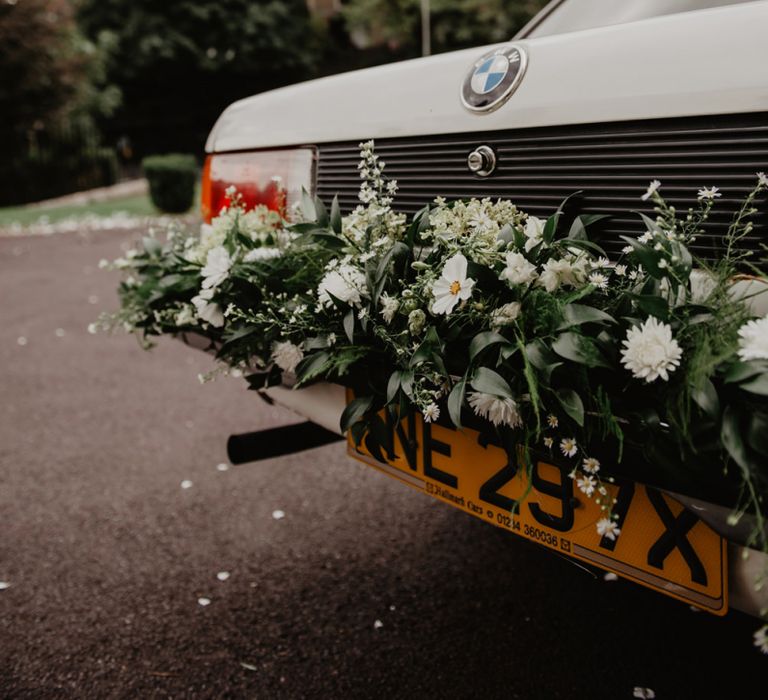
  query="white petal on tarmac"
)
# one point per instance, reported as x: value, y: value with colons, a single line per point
x: 93, y: 299
x: 278, y: 514
x: 203, y: 601
x: 4, y: 585
x: 60, y: 332
x: 643, y: 693
x: 222, y: 575
x: 610, y: 576
x: 186, y: 484
x: 21, y: 340
x: 222, y: 467
x: 378, y: 624
x: 392, y: 608
x: 248, y: 667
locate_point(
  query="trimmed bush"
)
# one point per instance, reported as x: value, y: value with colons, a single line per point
x: 171, y: 181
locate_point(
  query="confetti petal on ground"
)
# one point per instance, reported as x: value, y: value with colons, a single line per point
x: 249, y: 667
x: 93, y: 299
x: 693, y: 608
x: 186, y: 484
x: 222, y: 467
x: 644, y: 693
x: 610, y: 576
x: 21, y: 340
x: 4, y: 585
x: 378, y: 624
x: 392, y: 607
x: 278, y: 514
x: 222, y: 575
x: 203, y: 601
x: 60, y: 332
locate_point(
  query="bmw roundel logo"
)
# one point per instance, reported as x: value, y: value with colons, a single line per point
x: 493, y: 78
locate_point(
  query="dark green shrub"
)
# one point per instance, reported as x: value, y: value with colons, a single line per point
x: 171, y: 181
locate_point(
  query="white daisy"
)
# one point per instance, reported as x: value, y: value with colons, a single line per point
x: 497, y: 410
x: 287, y: 355
x: 652, y: 188
x: 568, y: 447
x: 591, y: 465
x: 552, y: 421
x: 453, y: 286
x: 709, y: 193
x: 753, y: 340
x: 608, y: 528
x: 599, y: 280
x: 518, y: 270
x: 431, y: 413
x: 762, y: 179
x: 650, y: 351
x: 548, y: 442
x: 620, y: 270
x: 586, y: 485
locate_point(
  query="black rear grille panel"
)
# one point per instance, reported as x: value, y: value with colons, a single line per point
x: 611, y: 164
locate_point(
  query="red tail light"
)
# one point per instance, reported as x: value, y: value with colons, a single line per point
x: 273, y: 178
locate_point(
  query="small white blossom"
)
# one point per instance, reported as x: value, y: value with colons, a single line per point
x: 552, y: 421
x: 647, y: 237
x: 534, y: 228
x: 287, y: 355
x: 416, y: 320
x: 263, y: 253
x: 278, y: 514
x: 453, y: 286
x: 548, y: 442
x: 608, y: 528
x: 662, y: 263
x: 599, y: 280
x: 216, y: 270
x: 762, y: 179
x: 568, y: 447
x: 186, y: 484
x: 591, y: 465
x: 203, y: 602
x: 650, y: 351
x: 753, y: 340
x: 345, y: 282
x: 586, y: 485
x: 499, y: 411
x: 389, y: 305
x: 222, y: 575
x: 761, y: 639
x: 518, y: 270
x: 643, y: 693
x: 505, y: 315
x: 620, y: 270
x: 627, y: 249
x: 207, y: 310
x: 652, y: 188
x: 709, y: 193
x: 431, y: 413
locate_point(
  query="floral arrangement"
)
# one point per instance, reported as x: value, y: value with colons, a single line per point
x: 654, y: 364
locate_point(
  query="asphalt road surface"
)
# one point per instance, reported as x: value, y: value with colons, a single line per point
x: 107, y: 555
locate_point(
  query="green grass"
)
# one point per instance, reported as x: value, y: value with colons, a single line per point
x: 135, y: 205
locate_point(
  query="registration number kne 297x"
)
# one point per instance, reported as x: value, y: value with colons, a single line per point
x: 662, y: 544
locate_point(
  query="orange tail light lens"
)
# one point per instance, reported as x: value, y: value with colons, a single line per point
x: 273, y: 178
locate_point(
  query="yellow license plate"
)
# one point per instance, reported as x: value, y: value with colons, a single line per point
x: 662, y: 545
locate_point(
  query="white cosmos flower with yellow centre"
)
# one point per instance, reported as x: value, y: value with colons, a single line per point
x: 453, y: 286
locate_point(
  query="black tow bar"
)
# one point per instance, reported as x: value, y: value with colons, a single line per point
x: 276, y: 442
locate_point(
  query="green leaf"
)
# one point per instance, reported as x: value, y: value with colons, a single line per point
x: 484, y: 340
x: 312, y: 366
x: 739, y: 371
x: 706, y: 397
x: 456, y: 400
x: 572, y: 404
x: 757, y: 433
x: 152, y: 246
x: 758, y: 385
x: 353, y: 411
x: 550, y: 226
x: 579, y: 349
x: 393, y: 385
x: 308, y: 206
x: 336, y: 215
x: 652, y: 305
x: 578, y: 231
x: 322, y: 212
x: 507, y: 234
x: 576, y: 314
x: 489, y: 382
x: 349, y: 326
x: 730, y: 434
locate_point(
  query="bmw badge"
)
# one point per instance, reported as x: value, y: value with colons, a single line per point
x: 493, y: 78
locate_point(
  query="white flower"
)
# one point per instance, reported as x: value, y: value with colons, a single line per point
x: 222, y: 575
x: 186, y: 316
x: 552, y: 421
x: 416, y: 320
x: 620, y: 270
x: 599, y: 280
x: 453, y: 286
x: 591, y: 465
x: 586, y: 485
x: 534, y: 228
x: 652, y: 188
x: 345, y: 282
x: 497, y: 410
x: 518, y: 270
x: 650, y: 351
x: 608, y: 528
x: 627, y: 249
x: 753, y: 340
x: 431, y: 413
x: 548, y: 442
x: 390, y: 305
x: 287, y: 355
x: 555, y: 273
x: 568, y: 447
x: 762, y: 179
x: 207, y: 310
x: 216, y: 269
x: 708, y: 193
x: 761, y: 639
x: 263, y: 253
x: 278, y: 514
x: 647, y: 237
x: 505, y: 315
x: 702, y: 285
x: 643, y: 693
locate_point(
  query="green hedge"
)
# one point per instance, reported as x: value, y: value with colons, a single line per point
x: 172, y: 180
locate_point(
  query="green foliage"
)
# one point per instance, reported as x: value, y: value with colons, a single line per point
x: 171, y: 181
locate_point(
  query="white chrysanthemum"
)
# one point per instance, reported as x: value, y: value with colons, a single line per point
x: 608, y: 528
x: 599, y: 279
x: 753, y: 340
x: 389, y: 307
x: 554, y: 273
x: 207, y: 310
x: 216, y: 270
x: 263, y: 253
x: 709, y: 193
x: 650, y: 351
x: 534, y: 228
x: 453, y: 286
x: 495, y: 409
x: 518, y: 270
x: 431, y: 413
x: 287, y: 355
x: 505, y: 315
x: 344, y: 282
x: 652, y: 188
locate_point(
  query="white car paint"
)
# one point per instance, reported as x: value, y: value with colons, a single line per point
x: 695, y: 63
